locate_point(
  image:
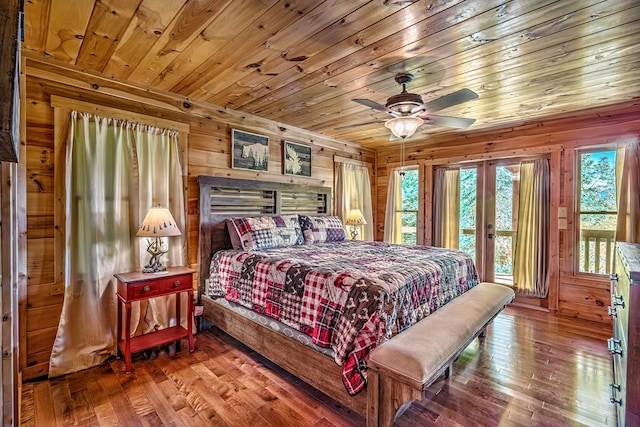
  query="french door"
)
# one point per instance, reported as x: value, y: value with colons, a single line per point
x: 489, y: 195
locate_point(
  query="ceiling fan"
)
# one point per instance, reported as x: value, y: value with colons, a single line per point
x: 409, y: 111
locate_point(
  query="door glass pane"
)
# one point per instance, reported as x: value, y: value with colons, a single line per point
x: 506, y: 219
x: 468, y: 195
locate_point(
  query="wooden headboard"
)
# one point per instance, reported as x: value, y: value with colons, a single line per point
x: 223, y: 198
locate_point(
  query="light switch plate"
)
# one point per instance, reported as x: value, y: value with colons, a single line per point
x: 562, y: 212
x: 562, y: 223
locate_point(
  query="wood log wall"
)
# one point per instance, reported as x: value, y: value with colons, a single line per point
x: 576, y: 295
x: 208, y: 154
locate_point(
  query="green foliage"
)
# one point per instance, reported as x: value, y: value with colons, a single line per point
x: 410, y: 191
x: 468, y: 196
x: 598, y: 190
x: 504, y: 199
x: 409, y: 206
x: 598, y: 181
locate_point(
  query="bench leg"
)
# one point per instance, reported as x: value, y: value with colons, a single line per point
x: 387, y: 399
x: 483, y: 332
x: 448, y: 371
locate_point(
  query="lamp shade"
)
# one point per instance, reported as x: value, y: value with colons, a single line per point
x: 158, y: 223
x: 355, y: 218
x: 403, y: 127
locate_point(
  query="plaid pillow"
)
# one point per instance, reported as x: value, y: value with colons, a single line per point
x: 322, y: 229
x: 265, y: 232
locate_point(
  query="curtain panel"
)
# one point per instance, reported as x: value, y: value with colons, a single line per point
x: 531, y: 254
x: 353, y: 191
x: 446, y: 208
x: 114, y: 172
x: 627, y: 191
x: 393, y: 216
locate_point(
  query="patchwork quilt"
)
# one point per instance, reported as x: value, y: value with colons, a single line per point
x: 349, y: 296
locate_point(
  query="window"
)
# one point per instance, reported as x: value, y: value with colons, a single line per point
x: 409, y: 206
x: 596, y: 210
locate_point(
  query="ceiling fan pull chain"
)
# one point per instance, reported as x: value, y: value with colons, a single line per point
x: 402, y: 158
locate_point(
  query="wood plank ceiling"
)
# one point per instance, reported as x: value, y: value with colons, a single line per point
x: 301, y: 62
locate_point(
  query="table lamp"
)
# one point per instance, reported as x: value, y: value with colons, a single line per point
x: 355, y: 220
x: 157, y: 224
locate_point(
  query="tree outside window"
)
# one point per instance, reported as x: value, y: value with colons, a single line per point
x: 409, y: 211
x: 468, y: 199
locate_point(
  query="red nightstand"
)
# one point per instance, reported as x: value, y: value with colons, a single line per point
x: 137, y: 286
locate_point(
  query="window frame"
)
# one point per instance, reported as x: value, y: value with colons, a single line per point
x: 577, y: 212
x: 401, y: 173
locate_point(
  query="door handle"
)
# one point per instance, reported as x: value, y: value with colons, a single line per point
x: 490, y: 235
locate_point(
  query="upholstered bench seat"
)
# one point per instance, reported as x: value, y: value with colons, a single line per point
x: 402, y: 367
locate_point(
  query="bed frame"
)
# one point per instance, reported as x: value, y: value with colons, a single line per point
x: 392, y: 385
x: 223, y: 198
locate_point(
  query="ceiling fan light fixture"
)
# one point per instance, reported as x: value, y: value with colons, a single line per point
x: 403, y: 127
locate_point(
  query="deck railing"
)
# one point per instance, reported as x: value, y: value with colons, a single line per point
x: 596, y: 249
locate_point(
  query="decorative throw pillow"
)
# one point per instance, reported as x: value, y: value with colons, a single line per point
x: 265, y: 232
x: 321, y: 229
x: 236, y: 242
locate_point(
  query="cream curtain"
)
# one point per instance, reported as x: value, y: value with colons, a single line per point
x: 446, y: 208
x: 353, y: 191
x: 628, y: 190
x: 531, y: 254
x: 393, y: 216
x: 114, y: 172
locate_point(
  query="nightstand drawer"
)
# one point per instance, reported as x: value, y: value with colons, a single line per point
x: 144, y: 290
x: 177, y: 283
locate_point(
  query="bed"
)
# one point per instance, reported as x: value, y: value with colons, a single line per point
x: 382, y: 292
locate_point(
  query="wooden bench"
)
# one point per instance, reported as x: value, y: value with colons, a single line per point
x: 401, y: 368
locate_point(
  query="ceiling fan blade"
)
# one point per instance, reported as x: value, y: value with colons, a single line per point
x: 370, y: 103
x: 450, y: 122
x: 455, y: 98
x: 358, y: 124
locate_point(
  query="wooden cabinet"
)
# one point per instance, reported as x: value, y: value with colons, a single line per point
x: 625, y: 343
x: 137, y: 286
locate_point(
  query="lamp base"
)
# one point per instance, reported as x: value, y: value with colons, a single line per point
x: 156, y: 268
x: 354, y: 232
x: 156, y: 250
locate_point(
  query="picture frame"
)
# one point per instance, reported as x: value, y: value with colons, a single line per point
x: 249, y: 151
x: 296, y: 159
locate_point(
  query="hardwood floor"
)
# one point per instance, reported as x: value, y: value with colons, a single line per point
x: 533, y: 368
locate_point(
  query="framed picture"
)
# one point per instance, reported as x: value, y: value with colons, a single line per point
x: 249, y: 151
x: 297, y: 159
